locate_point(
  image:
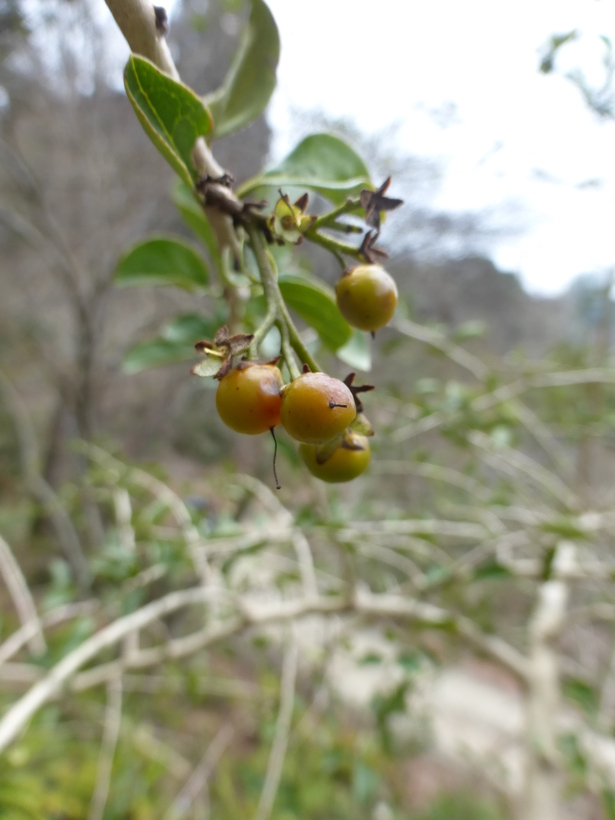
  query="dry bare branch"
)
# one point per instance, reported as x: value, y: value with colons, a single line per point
x: 22, y: 598
x: 197, y: 782
x: 282, y: 730
x: 113, y: 720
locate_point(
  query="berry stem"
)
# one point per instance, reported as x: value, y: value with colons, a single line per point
x: 277, y: 312
x: 287, y: 351
x: 334, y: 246
x: 278, y: 486
x: 329, y: 220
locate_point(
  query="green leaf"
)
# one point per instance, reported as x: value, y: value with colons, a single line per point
x: 491, y: 569
x: 195, y: 218
x: 582, y: 694
x: 155, y: 353
x: 322, y: 163
x: 252, y: 77
x: 191, y: 328
x: 365, y: 783
x: 357, y: 352
x: 171, y: 114
x: 315, y: 303
x: 162, y: 261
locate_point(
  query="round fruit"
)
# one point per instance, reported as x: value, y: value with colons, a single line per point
x: 316, y: 407
x: 367, y: 297
x: 248, y: 398
x: 344, y: 464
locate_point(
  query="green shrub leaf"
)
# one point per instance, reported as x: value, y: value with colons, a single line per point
x: 315, y: 303
x: 191, y: 328
x: 357, y: 352
x: 252, y: 77
x: 322, y: 163
x: 162, y: 261
x: 171, y: 114
x: 156, y: 353
x: 195, y: 218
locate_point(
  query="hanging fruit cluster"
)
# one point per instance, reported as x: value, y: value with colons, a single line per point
x: 324, y: 414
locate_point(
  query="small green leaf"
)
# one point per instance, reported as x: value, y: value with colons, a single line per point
x: 322, y: 163
x: 491, y: 569
x: 162, y: 261
x: 155, y: 353
x: 171, y: 114
x: 582, y: 694
x: 365, y: 783
x: 411, y: 662
x: 252, y: 77
x: 315, y: 303
x: 195, y: 218
x: 357, y: 352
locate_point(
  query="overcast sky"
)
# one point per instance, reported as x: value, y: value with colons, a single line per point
x: 514, y: 137
x: 459, y: 79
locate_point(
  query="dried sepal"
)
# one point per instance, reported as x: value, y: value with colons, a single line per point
x: 370, y: 251
x: 355, y: 390
x: 220, y: 354
x: 375, y: 202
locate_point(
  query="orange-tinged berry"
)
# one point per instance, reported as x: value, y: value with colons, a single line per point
x: 348, y: 460
x: 367, y: 297
x: 316, y: 407
x: 248, y: 398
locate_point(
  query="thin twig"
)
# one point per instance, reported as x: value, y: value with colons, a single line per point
x: 21, y: 636
x: 438, y: 340
x: 164, y: 493
x: 39, y: 488
x: 22, y: 598
x: 374, y: 606
x: 198, y: 780
x: 113, y: 720
x: 282, y: 729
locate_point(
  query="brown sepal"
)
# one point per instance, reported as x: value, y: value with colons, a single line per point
x: 225, y: 369
x: 227, y: 346
x: 233, y: 344
x: 370, y: 251
x: 306, y: 368
x: 375, y: 202
x: 302, y: 202
x: 356, y: 389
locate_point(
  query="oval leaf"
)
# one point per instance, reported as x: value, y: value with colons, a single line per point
x: 322, y: 163
x: 162, y: 261
x: 155, y: 353
x: 315, y: 303
x: 357, y: 352
x: 171, y: 114
x: 251, y: 79
x: 195, y: 218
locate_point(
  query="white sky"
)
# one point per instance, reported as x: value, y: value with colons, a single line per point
x: 411, y: 57
x: 511, y: 121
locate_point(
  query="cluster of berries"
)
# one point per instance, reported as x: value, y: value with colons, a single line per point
x: 317, y: 410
